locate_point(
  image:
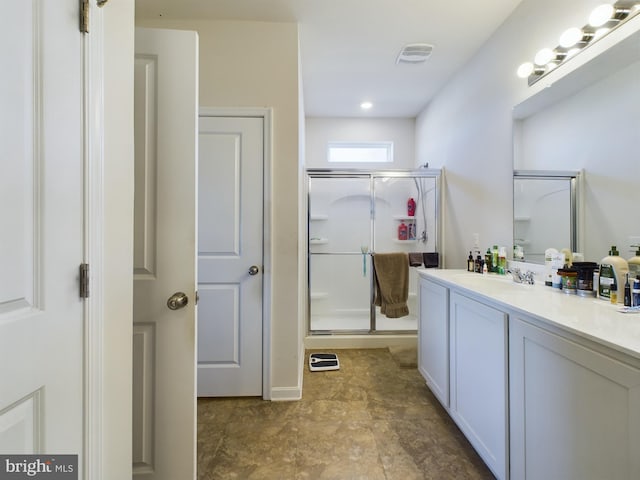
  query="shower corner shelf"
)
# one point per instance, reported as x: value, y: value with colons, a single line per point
x: 318, y: 217
x: 318, y: 241
x: 318, y: 295
x: 404, y: 217
x: 395, y: 240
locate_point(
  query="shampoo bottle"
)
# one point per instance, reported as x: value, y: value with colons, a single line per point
x: 402, y: 231
x: 411, y: 207
x: 613, y: 269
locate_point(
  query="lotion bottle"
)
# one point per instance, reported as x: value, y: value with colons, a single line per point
x: 613, y: 269
x: 634, y: 263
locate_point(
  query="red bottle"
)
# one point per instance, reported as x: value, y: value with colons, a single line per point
x: 402, y: 231
x: 411, y: 207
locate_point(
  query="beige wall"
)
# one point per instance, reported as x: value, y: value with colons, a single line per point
x: 255, y: 64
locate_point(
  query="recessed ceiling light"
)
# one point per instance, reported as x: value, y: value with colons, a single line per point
x: 366, y: 105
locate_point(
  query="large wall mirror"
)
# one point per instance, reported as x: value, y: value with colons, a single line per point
x: 589, y: 122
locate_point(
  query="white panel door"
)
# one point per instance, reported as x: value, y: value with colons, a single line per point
x: 41, y: 217
x: 164, y: 340
x: 230, y: 255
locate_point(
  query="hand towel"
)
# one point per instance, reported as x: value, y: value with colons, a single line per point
x: 391, y: 274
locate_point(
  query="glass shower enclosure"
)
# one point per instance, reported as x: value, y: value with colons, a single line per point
x: 352, y: 215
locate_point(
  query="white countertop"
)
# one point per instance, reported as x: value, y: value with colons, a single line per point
x: 592, y: 318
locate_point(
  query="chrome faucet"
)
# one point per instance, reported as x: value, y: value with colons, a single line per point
x: 522, y: 277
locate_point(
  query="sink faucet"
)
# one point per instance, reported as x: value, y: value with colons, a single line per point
x: 522, y: 277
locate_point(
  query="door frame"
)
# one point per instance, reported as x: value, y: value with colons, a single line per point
x: 96, y: 442
x: 266, y: 114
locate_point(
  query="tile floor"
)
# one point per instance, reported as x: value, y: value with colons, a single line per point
x: 370, y: 420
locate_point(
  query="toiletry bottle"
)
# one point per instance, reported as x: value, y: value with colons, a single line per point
x: 613, y: 293
x: 411, y: 230
x: 470, y: 263
x: 402, y: 231
x: 494, y: 259
x: 484, y: 268
x: 502, y: 260
x: 488, y: 259
x: 613, y: 268
x: 548, y: 257
x: 634, y: 263
x: 478, y: 264
x: 635, y: 292
x: 627, y: 292
x: 411, y: 207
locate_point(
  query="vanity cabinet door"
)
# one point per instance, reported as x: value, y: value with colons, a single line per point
x: 575, y: 412
x: 478, y: 342
x: 433, y: 338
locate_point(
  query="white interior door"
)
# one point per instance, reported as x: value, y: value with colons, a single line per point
x: 164, y: 348
x: 230, y: 256
x: 41, y: 216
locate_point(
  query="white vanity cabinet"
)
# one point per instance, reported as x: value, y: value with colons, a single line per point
x: 478, y: 378
x: 575, y: 410
x: 462, y: 355
x: 545, y: 386
x: 433, y: 335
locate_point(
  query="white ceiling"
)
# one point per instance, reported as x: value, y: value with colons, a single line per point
x: 348, y: 47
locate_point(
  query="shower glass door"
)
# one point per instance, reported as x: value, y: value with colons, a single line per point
x: 339, y: 263
x: 352, y: 216
x: 392, y: 219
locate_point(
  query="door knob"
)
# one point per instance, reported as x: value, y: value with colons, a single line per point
x: 177, y: 300
x: 253, y: 270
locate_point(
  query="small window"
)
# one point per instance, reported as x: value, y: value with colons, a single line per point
x: 362, y: 152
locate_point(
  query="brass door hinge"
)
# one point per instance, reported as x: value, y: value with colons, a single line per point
x: 84, y: 16
x: 84, y: 13
x: 84, y: 280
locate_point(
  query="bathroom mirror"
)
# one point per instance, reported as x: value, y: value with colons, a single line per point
x: 544, y: 213
x: 586, y: 120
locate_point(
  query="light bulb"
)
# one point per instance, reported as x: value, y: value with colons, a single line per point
x: 570, y: 37
x: 525, y: 70
x: 366, y: 105
x: 601, y: 15
x: 544, y: 56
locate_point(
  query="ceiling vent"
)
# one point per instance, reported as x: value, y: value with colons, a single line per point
x: 414, y: 53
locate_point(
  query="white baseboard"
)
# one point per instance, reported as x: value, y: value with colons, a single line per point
x: 286, y: 394
x: 360, y: 341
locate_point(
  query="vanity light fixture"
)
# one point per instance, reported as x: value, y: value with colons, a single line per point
x: 602, y: 20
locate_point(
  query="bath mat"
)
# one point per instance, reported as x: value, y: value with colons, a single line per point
x: 319, y: 362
